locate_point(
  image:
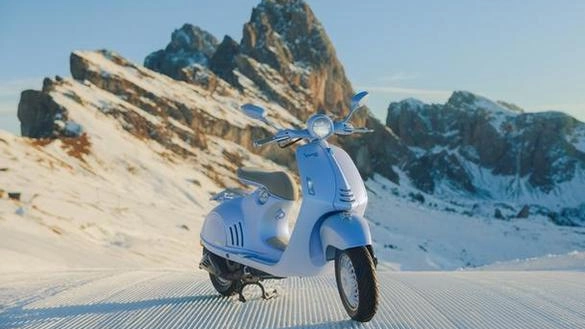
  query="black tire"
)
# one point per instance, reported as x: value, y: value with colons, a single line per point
x: 224, y: 287
x: 367, y: 283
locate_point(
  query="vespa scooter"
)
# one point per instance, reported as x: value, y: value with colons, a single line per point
x: 246, y: 238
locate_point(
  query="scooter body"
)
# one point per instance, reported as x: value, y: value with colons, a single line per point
x: 246, y: 238
x: 244, y: 229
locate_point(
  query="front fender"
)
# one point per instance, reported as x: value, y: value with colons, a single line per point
x: 341, y: 231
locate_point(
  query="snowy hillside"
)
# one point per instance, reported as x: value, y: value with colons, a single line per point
x: 411, y: 235
x: 121, y: 160
x: 123, y: 202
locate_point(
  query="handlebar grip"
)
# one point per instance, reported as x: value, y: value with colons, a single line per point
x: 363, y: 130
x: 260, y: 142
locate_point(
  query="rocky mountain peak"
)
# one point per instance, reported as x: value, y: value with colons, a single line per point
x: 492, y: 150
x: 288, y: 30
x: 189, y: 45
x: 467, y: 101
x: 286, y: 35
x: 462, y: 97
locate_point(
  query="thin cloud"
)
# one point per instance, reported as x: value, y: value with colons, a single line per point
x: 399, y: 76
x: 14, y: 87
x: 426, y: 93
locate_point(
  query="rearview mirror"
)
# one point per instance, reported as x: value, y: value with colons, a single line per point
x: 357, y: 101
x: 254, y: 112
x: 258, y: 113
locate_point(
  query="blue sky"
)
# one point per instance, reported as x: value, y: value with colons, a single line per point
x: 526, y: 52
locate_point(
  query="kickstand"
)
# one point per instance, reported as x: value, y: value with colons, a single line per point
x: 265, y: 295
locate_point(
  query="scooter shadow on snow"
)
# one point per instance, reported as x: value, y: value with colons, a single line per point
x: 17, y: 316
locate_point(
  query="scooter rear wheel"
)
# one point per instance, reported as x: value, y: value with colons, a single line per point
x: 357, y: 283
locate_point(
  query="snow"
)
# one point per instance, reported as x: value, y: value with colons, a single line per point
x: 127, y: 203
x: 572, y: 261
x: 520, y: 191
x: 168, y: 298
x: 413, y: 236
x: 577, y: 138
x: 191, y: 96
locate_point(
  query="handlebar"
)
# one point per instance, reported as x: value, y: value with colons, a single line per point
x: 342, y: 127
x: 264, y: 141
x: 283, y: 135
x: 363, y: 130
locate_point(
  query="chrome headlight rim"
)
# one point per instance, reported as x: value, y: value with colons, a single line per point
x: 320, y: 126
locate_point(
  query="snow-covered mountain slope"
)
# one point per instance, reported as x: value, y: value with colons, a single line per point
x: 108, y: 196
x: 125, y: 203
x: 415, y: 231
x: 476, y: 149
x: 176, y: 299
x: 121, y: 160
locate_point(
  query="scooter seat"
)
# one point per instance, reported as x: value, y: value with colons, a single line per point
x: 278, y: 183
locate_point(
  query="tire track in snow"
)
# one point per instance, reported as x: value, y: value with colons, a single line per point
x: 535, y: 298
x: 164, y: 299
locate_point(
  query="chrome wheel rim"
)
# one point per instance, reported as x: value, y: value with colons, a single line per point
x: 349, y: 283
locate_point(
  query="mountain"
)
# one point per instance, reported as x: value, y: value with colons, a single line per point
x: 117, y: 162
x: 286, y: 55
x: 470, y: 147
x: 474, y: 148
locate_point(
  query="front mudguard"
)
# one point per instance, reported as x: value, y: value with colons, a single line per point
x: 342, y: 231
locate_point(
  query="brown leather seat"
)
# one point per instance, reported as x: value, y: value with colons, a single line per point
x: 279, y: 183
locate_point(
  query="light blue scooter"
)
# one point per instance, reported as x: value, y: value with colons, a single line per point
x: 246, y: 238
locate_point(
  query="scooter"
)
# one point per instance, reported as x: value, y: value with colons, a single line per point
x: 246, y: 238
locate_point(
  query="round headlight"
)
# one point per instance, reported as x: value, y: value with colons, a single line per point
x: 320, y: 126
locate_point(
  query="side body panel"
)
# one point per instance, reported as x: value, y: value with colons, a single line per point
x: 332, y: 190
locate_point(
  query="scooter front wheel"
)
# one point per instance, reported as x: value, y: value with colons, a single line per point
x: 357, y: 283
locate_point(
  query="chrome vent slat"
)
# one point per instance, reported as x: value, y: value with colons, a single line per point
x: 346, y: 195
x: 236, y: 234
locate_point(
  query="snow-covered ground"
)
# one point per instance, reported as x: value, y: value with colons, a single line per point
x: 181, y: 299
x: 409, y: 235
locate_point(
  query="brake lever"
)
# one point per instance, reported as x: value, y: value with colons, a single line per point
x: 268, y: 140
x: 282, y: 146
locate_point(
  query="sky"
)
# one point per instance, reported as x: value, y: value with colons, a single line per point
x: 530, y: 53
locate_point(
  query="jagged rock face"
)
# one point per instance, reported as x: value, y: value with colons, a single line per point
x: 180, y: 107
x: 189, y: 45
x: 470, y: 131
x: 36, y: 112
x: 285, y: 34
x: 223, y: 61
x: 286, y: 53
x: 41, y: 117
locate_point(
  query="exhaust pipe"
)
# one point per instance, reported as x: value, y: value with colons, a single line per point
x: 207, y: 264
x: 211, y: 263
